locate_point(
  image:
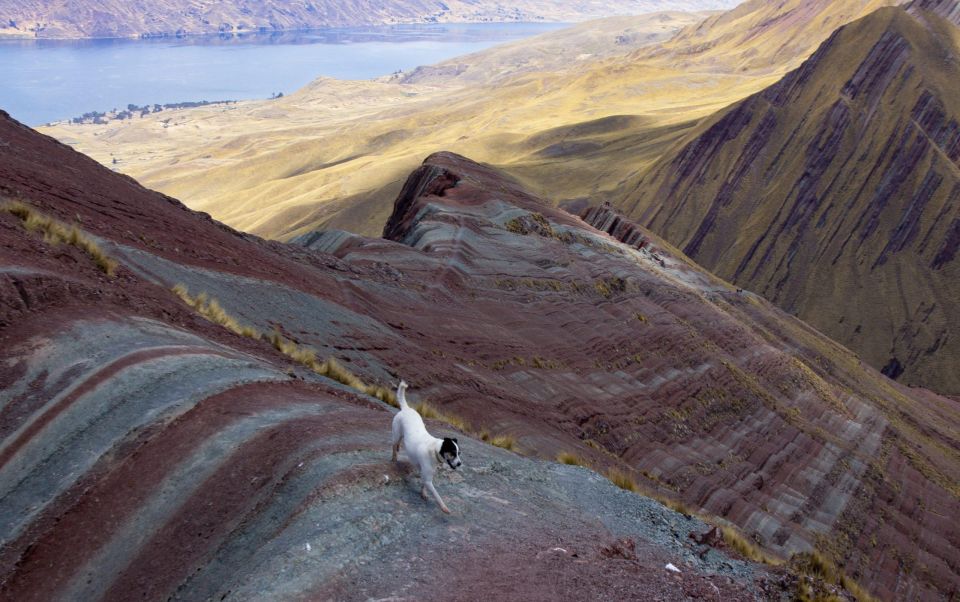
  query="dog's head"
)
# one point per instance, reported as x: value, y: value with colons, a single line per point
x: 450, y: 452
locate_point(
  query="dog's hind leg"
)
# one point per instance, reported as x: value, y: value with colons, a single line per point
x: 428, y: 485
x: 397, y: 439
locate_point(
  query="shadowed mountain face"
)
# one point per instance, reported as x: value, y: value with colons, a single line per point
x: 146, y: 451
x: 836, y: 193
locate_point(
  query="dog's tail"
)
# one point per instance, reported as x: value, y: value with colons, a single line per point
x: 402, y: 396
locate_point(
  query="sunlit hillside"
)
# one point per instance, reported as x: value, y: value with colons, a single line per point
x: 570, y: 126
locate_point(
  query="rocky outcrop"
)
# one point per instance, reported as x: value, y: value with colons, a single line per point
x: 145, y: 451
x: 609, y: 220
x: 834, y: 192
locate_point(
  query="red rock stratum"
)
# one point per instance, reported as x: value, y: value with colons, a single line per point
x: 147, y: 452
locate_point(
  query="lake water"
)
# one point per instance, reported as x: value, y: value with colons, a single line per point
x: 49, y: 80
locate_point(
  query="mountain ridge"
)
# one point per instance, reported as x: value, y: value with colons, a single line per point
x: 839, y: 184
x: 758, y: 35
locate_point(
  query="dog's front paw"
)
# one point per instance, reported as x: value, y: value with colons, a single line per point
x: 445, y: 509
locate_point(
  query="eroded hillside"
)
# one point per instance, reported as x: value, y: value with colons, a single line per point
x: 183, y: 459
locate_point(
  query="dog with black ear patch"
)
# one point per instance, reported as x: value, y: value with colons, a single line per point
x: 425, y: 451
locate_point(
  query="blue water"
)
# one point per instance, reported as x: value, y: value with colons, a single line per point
x: 49, y: 80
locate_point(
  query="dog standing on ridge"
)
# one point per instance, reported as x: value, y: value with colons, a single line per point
x: 425, y: 451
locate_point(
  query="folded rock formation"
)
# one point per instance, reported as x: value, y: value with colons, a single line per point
x: 148, y: 452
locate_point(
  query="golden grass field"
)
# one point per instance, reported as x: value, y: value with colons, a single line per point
x: 572, y: 114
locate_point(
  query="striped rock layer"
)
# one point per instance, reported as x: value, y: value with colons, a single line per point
x: 148, y: 453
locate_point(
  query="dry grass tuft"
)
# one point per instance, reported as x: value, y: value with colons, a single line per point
x: 571, y: 459
x: 55, y: 232
x: 819, y: 570
x: 298, y: 353
x: 456, y: 422
x: 331, y: 368
x: 602, y: 289
x: 814, y: 564
x: 622, y: 480
x: 678, y: 506
x: 507, y: 442
x: 384, y: 394
x: 428, y: 411
x: 747, y: 548
x: 856, y: 589
x: 211, y: 309
x: 19, y: 210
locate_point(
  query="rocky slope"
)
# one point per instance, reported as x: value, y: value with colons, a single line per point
x: 148, y: 453
x: 834, y: 193
x: 145, y: 449
x: 86, y: 19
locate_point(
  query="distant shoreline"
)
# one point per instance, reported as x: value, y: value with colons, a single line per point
x: 46, y: 86
x: 226, y: 35
x: 132, y: 110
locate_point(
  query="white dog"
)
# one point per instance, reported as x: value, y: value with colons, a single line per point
x: 424, y: 450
